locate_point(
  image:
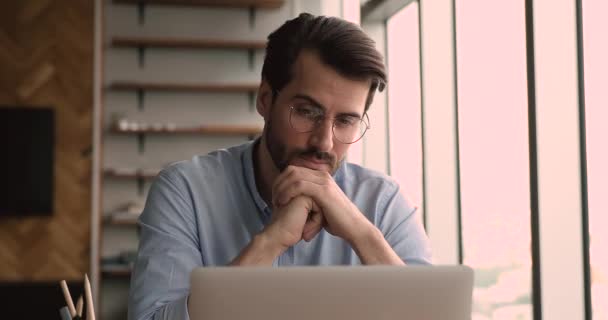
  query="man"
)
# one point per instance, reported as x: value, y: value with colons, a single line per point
x: 253, y: 204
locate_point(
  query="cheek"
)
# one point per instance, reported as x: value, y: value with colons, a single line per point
x: 340, y: 149
x: 283, y: 132
x: 290, y: 138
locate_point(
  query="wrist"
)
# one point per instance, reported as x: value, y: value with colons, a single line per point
x: 261, y: 251
x: 371, y: 247
x: 269, y: 240
x: 365, y: 232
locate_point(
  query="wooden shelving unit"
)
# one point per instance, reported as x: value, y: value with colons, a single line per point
x: 149, y: 42
x: 143, y: 45
x: 183, y: 87
x: 258, y: 4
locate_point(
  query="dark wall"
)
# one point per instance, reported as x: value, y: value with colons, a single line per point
x: 35, y: 300
x: 46, y: 59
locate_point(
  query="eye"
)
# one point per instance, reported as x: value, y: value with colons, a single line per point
x: 306, y: 111
x: 346, y: 121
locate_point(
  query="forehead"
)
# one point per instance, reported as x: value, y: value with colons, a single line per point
x: 336, y: 93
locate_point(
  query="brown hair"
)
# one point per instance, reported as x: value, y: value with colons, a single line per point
x: 340, y: 44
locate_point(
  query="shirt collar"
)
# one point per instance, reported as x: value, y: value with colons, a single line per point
x: 248, y: 171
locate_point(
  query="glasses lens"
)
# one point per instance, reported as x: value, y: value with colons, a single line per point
x: 349, y: 133
x: 302, y: 119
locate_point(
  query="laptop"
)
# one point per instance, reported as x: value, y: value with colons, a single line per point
x: 337, y: 292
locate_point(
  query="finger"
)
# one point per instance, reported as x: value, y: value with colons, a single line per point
x: 297, y: 173
x: 308, y: 171
x: 313, y: 226
x: 314, y: 220
x: 294, y: 177
x: 279, y: 180
x: 295, y: 189
x: 308, y: 236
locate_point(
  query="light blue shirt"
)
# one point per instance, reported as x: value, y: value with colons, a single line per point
x: 203, y: 212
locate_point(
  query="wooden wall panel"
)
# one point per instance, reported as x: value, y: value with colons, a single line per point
x: 46, y: 59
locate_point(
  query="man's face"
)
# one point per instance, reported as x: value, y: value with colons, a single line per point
x: 319, y: 87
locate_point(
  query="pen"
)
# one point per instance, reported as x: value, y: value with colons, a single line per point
x: 65, y: 313
x: 79, y: 307
x: 68, y: 298
x: 89, y: 298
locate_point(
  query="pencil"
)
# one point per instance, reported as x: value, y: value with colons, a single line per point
x: 68, y: 298
x: 79, y: 307
x: 89, y: 298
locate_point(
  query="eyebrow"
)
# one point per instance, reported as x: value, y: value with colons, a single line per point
x: 317, y: 104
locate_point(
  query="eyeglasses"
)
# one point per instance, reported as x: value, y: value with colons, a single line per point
x: 346, y: 129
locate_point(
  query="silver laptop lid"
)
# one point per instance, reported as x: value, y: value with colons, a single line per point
x: 354, y: 293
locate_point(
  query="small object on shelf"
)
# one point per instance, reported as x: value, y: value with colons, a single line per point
x: 130, y: 125
x: 118, y: 265
x: 126, y: 215
x: 134, y: 207
x: 124, y: 259
x: 123, y: 127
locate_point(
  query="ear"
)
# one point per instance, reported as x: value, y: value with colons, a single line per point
x: 264, y: 99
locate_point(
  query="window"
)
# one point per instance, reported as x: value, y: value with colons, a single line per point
x: 494, y: 159
x: 596, y: 114
x: 404, y: 102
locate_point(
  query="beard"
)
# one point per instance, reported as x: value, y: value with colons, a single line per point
x: 282, y: 157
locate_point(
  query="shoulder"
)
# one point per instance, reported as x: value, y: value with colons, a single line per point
x: 367, y: 179
x: 209, y: 167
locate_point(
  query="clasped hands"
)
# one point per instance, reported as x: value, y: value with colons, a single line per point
x: 306, y: 201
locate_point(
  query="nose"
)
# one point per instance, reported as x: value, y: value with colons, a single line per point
x: 322, y: 136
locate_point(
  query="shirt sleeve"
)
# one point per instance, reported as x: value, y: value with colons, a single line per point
x: 403, y: 229
x: 168, y: 251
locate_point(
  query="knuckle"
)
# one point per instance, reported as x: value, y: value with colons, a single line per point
x: 298, y: 184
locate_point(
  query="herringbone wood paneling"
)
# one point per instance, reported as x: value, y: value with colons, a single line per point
x: 46, y: 59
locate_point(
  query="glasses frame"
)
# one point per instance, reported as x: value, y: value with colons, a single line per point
x: 363, y: 119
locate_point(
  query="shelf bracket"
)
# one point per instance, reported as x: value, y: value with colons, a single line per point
x: 141, y: 12
x: 251, y: 101
x: 251, y: 59
x: 251, y: 17
x: 141, y: 142
x: 140, y: 185
x: 141, y: 96
x: 141, y: 56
